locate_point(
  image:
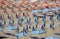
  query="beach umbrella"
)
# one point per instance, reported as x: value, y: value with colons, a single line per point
x: 45, y: 10
x: 10, y: 27
x: 52, y: 37
x: 38, y: 32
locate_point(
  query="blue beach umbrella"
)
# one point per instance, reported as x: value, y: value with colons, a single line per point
x: 45, y: 10
x: 55, y: 8
x: 36, y: 11
x: 38, y: 32
x: 10, y: 27
x: 52, y: 37
x: 21, y: 34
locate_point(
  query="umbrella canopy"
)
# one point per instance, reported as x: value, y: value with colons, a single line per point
x: 10, y: 28
x: 21, y: 34
x: 52, y: 37
x: 38, y: 32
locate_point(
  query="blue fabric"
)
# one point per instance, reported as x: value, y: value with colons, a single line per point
x: 37, y: 32
x: 10, y: 28
x: 36, y: 11
x: 56, y: 8
x: 45, y: 10
x: 21, y: 34
x: 52, y: 37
